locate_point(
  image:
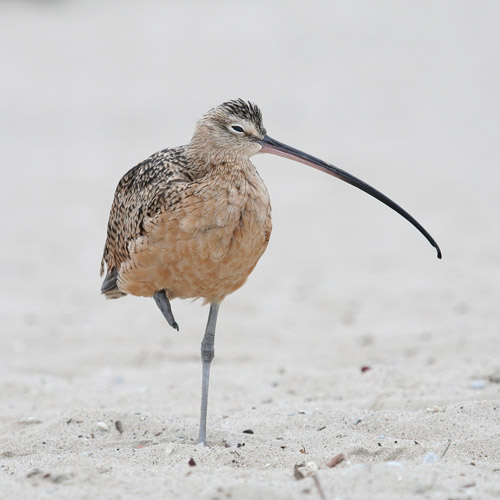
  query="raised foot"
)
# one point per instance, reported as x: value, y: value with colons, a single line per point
x: 163, y: 304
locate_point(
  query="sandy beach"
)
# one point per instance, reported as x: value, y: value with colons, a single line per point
x: 349, y: 337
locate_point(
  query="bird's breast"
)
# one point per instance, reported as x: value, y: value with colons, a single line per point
x: 206, y: 246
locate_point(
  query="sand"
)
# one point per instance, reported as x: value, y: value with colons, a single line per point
x: 403, y: 95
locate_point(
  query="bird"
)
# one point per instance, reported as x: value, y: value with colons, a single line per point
x: 193, y: 221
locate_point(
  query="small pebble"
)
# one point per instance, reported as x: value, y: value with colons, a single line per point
x: 30, y: 420
x: 434, y: 409
x: 333, y: 462
x: 430, y: 458
x: 101, y: 426
x: 393, y: 463
x: 310, y: 467
x: 302, y: 471
x: 478, y: 385
x: 248, y: 431
x: 119, y: 426
x: 191, y: 462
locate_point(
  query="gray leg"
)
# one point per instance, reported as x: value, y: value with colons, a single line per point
x: 162, y: 302
x: 207, y: 354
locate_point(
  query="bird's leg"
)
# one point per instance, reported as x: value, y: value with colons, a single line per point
x: 207, y: 354
x: 162, y: 302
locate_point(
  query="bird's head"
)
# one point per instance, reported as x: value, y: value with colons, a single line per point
x: 232, y: 129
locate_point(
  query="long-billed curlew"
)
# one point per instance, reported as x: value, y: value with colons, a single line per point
x: 193, y: 221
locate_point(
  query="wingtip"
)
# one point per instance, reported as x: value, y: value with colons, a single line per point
x: 109, y: 287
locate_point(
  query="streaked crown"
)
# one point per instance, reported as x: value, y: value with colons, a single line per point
x: 246, y: 110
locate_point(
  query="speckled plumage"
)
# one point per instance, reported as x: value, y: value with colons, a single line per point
x: 192, y: 220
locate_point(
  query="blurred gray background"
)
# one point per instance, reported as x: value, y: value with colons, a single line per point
x: 404, y: 95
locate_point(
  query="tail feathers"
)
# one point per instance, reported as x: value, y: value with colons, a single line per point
x: 110, y: 286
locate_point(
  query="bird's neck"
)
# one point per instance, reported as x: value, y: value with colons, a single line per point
x: 218, y: 164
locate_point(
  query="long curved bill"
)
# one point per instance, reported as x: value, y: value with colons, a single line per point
x: 270, y: 145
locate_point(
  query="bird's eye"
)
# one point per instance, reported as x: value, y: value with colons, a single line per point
x: 237, y: 128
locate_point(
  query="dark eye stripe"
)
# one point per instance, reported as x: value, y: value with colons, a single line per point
x: 237, y: 128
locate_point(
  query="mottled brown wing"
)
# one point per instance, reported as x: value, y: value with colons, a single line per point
x: 142, y: 192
